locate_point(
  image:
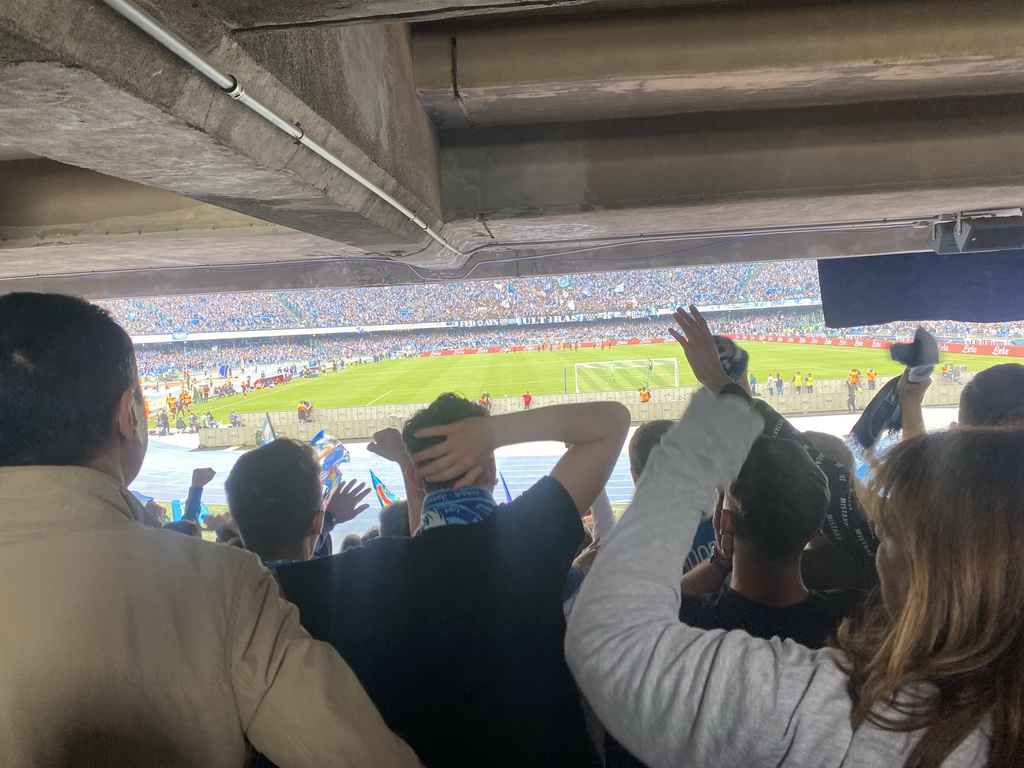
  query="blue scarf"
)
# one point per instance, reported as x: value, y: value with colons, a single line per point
x: 462, y: 507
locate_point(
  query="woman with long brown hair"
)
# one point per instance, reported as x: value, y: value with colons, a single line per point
x: 942, y: 648
x: 933, y: 672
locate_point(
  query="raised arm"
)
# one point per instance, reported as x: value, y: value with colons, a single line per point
x: 201, y: 476
x: 388, y: 444
x: 911, y: 397
x: 595, y: 432
x: 846, y: 525
x: 672, y: 694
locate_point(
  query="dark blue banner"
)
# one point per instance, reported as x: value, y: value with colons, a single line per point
x: 971, y: 287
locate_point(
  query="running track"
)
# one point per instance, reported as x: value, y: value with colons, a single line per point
x: 167, y: 471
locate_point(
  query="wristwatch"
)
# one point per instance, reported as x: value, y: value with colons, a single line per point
x: 717, y: 561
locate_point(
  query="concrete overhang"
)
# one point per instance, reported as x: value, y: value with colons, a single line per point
x: 725, y: 171
x: 722, y: 58
x: 259, y: 15
x: 135, y: 111
x: 565, y: 141
x: 175, y: 267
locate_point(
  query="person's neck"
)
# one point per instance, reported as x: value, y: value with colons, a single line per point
x: 774, y: 584
x: 299, y: 553
x: 108, y: 464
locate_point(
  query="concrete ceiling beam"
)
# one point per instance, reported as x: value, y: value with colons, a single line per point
x: 258, y: 15
x: 85, y: 87
x: 168, y: 277
x: 724, y: 171
x: 689, y: 59
x: 43, y: 202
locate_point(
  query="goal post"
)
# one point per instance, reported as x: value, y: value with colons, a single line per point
x: 611, y: 375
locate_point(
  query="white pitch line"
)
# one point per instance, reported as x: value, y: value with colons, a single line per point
x: 380, y: 396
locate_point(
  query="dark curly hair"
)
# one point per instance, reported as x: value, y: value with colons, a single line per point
x: 449, y: 408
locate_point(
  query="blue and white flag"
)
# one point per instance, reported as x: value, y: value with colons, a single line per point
x: 267, y: 433
x: 508, y: 496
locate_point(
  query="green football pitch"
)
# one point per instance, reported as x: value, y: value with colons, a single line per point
x: 421, y: 379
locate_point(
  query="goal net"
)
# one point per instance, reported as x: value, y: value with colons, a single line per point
x: 611, y: 375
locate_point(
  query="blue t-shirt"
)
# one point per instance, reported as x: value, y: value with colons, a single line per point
x: 703, y: 541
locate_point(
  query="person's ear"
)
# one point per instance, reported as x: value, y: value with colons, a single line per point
x: 716, y: 518
x: 490, y: 474
x: 128, y: 416
x: 318, y: 523
x: 726, y: 521
x: 413, y: 476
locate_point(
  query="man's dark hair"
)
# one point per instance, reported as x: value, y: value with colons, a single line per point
x: 446, y: 409
x: 394, y: 520
x: 644, y: 440
x: 64, y: 364
x: 779, y: 499
x: 995, y: 397
x: 274, y: 492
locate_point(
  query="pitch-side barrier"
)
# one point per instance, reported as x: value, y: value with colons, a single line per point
x: 360, y: 423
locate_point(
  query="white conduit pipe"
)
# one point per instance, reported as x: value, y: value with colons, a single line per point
x: 233, y: 88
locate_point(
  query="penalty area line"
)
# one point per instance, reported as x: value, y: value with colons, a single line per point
x: 379, y: 397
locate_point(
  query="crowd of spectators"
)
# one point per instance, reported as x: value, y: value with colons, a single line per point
x: 946, y: 330
x: 447, y: 302
x: 169, y: 359
x: 637, y: 291
x: 868, y: 625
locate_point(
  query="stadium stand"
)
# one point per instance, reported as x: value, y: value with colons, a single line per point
x: 168, y: 359
x: 436, y: 302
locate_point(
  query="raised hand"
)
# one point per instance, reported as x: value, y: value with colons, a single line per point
x: 700, y: 348
x: 909, y: 392
x: 464, y: 453
x: 388, y: 444
x: 202, y: 475
x: 343, y: 505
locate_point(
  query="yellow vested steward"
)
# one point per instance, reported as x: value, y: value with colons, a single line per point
x: 124, y: 645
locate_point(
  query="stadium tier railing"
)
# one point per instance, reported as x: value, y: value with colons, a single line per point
x: 360, y: 423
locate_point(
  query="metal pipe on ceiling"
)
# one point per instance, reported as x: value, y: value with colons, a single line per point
x: 230, y: 85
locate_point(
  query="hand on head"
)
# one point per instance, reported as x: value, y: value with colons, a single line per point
x: 464, y: 453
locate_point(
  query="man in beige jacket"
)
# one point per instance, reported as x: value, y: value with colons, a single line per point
x: 125, y: 645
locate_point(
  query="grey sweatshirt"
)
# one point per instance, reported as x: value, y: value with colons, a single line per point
x: 676, y: 696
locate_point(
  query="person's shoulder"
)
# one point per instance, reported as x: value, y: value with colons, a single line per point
x: 189, y: 559
x: 837, y: 602
x: 698, y: 610
x: 542, y: 523
x: 547, y: 493
x: 378, y: 551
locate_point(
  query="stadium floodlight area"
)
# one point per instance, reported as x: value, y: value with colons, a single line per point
x: 611, y: 375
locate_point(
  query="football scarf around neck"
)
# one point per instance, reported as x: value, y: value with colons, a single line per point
x: 450, y: 507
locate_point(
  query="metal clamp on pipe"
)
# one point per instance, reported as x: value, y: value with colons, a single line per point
x: 235, y: 91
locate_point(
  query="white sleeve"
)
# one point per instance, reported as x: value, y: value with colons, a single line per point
x: 604, y: 516
x: 672, y: 694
